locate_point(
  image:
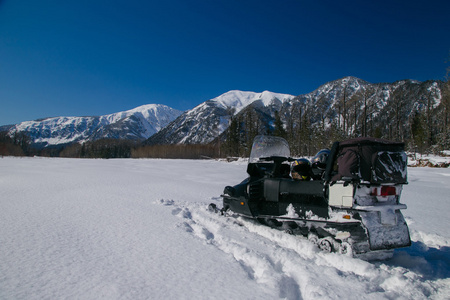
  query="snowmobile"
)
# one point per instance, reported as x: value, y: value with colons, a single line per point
x: 351, y: 205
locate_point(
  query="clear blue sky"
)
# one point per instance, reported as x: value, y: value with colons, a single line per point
x: 95, y: 57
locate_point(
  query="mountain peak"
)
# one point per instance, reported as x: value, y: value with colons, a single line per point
x: 208, y: 120
x: 240, y: 99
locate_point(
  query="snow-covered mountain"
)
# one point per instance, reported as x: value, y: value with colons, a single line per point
x: 350, y: 100
x: 208, y: 120
x: 349, y: 106
x: 135, y: 124
x: 353, y: 106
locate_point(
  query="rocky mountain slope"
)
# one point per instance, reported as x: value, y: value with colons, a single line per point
x: 135, y: 124
x: 350, y: 106
x: 208, y: 120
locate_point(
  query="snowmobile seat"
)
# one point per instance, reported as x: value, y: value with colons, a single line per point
x: 313, y: 187
x: 276, y: 189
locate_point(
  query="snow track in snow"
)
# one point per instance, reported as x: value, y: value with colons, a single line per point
x: 290, y: 264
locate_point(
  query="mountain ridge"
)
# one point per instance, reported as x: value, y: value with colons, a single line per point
x: 136, y: 124
x: 344, y: 107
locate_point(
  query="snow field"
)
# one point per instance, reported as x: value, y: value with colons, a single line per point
x: 140, y: 229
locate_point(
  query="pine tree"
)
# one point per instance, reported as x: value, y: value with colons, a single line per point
x: 278, y: 126
x: 418, y: 131
x: 233, y: 141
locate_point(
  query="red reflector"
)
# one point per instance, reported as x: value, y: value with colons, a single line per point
x: 384, y: 191
x: 388, y: 191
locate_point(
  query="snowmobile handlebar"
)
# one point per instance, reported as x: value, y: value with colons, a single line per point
x: 275, y: 171
x: 277, y: 159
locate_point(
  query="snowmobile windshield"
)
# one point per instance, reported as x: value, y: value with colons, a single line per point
x: 266, y: 146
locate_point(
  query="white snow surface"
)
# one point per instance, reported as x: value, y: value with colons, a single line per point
x: 140, y: 229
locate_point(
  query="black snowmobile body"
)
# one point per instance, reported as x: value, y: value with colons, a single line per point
x: 270, y: 196
x: 352, y: 208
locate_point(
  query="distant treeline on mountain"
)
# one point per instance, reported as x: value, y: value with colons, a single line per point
x: 414, y: 112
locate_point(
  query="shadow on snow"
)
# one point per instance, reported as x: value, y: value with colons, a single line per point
x: 431, y: 263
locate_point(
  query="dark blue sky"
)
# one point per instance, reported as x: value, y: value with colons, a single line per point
x: 95, y: 57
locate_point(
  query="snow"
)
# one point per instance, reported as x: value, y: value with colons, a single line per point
x: 240, y: 99
x: 415, y: 160
x: 140, y: 229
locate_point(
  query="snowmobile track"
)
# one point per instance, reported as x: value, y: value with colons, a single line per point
x: 258, y: 265
x: 288, y: 264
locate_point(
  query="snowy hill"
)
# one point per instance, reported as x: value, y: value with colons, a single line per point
x: 208, y: 120
x: 99, y: 229
x: 135, y: 124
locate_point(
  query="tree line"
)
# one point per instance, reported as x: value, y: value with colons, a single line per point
x: 17, y: 144
x: 20, y: 145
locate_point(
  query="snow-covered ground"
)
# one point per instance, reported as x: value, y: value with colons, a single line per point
x: 140, y: 229
x: 430, y: 160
